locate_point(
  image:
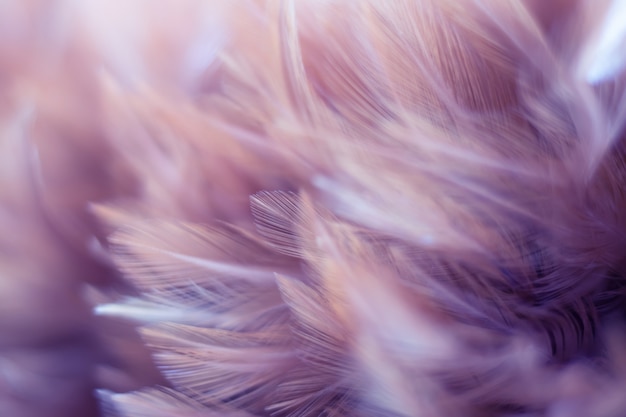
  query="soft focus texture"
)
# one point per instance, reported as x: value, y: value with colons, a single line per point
x: 297, y: 208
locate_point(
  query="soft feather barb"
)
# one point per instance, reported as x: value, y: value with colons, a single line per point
x: 449, y: 233
x: 316, y: 208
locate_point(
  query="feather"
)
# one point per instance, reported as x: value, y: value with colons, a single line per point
x: 159, y: 402
x: 605, y: 60
x: 312, y: 208
x: 445, y: 161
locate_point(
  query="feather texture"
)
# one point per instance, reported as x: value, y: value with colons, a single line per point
x: 313, y: 208
x: 447, y: 234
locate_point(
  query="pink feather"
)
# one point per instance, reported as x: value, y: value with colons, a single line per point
x: 312, y: 208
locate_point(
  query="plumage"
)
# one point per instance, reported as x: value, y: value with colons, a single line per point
x: 312, y: 208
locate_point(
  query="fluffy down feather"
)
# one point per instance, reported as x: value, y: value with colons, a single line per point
x: 313, y: 208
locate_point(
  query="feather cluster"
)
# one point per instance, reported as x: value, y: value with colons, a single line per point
x: 368, y: 208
